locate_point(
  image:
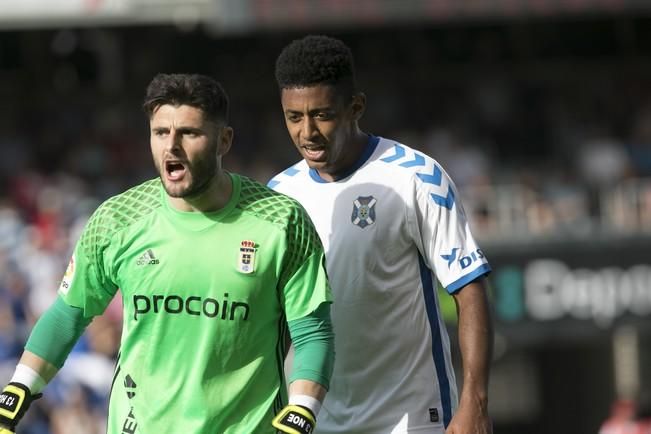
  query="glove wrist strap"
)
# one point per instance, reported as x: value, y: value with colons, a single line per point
x: 309, y: 402
x: 29, y: 377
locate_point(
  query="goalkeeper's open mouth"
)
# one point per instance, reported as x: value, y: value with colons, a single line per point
x: 175, y: 170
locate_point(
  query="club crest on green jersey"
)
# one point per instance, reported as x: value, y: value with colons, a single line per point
x: 246, y: 261
x: 363, y: 211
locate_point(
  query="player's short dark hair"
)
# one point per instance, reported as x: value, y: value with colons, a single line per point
x: 314, y: 60
x: 195, y: 90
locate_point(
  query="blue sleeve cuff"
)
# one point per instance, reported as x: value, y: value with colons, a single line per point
x: 482, y: 270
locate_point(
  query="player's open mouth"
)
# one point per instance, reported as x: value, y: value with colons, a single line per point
x: 314, y: 152
x: 175, y: 170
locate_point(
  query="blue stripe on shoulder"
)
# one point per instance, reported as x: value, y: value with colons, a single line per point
x: 434, y: 178
x: 290, y: 171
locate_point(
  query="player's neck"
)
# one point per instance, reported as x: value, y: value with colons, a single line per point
x: 356, y: 148
x: 212, y: 199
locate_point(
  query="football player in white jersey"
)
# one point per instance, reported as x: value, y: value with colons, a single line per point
x: 392, y: 226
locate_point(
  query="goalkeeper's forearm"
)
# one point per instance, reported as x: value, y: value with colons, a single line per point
x: 307, y: 388
x: 42, y: 367
x: 313, y: 341
x: 314, y: 353
x: 50, y: 342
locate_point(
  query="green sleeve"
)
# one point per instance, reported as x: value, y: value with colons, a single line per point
x: 313, y: 341
x: 304, y: 280
x: 89, y: 280
x: 56, y: 332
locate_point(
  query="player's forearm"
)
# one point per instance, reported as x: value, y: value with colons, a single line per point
x: 56, y: 332
x: 308, y: 388
x: 49, y: 344
x: 475, y: 341
x: 313, y: 359
x: 42, y: 367
x: 313, y: 341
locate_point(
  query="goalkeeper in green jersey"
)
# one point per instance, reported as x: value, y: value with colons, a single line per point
x: 216, y: 272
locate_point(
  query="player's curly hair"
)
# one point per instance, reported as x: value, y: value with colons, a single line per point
x: 314, y: 60
x: 195, y: 90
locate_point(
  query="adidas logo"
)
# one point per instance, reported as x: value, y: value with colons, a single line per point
x: 147, y: 258
x: 130, y: 386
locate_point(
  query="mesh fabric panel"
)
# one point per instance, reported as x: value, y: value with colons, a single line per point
x: 302, y: 239
x: 116, y: 214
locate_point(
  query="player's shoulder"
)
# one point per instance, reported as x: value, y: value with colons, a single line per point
x: 268, y: 204
x: 405, y: 162
x: 402, y: 157
x: 120, y: 212
x: 293, y: 175
x: 129, y: 206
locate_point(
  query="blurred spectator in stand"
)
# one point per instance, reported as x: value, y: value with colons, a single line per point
x: 601, y: 163
x: 568, y: 201
x: 621, y: 417
x: 467, y: 163
x: 643, y: 414
x: 629, y: 417
x: 639, y: 145
x: 602, y: 160
x: 471, y: 167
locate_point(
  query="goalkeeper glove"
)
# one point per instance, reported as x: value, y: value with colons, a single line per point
x: 15, y: 399
x: 294, y: 419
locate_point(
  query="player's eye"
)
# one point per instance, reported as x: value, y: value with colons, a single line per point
x: 292, y: 117
x: 323, y: 116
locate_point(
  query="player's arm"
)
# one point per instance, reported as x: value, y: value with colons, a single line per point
x: 313, y: 341
x: 50, y: 342
x: 476, y: 345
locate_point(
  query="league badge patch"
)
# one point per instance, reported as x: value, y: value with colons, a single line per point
x: 68, y: 276
x: 246, y: 262
x: 363, y: 211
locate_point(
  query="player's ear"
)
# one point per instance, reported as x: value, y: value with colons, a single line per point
x: 225, y: 140
x: 358, y: 106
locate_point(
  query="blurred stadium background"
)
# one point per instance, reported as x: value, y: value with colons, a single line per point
x: 539, y: 109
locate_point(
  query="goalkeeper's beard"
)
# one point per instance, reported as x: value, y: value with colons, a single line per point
x: 201, y: 174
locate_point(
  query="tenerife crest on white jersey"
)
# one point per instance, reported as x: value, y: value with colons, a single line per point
x: 391, y: 228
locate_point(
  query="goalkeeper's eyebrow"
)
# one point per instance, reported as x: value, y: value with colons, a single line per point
x: 180, y: 130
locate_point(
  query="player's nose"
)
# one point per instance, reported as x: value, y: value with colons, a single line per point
x: 308, y: 128
x: 173, y: 143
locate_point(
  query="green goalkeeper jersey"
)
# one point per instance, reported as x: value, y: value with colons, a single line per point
x: 206, y: 297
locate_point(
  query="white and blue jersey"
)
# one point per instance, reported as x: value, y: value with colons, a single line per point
x: 391, y: 228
